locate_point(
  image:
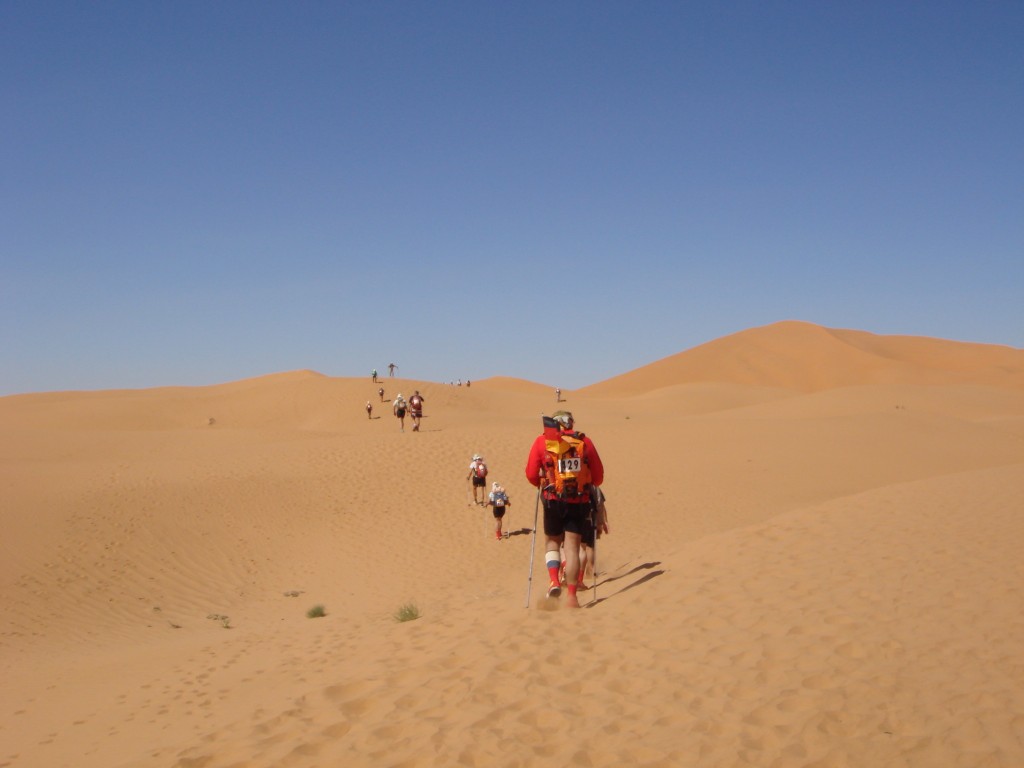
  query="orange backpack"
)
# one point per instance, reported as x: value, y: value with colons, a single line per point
x: 566, y: 466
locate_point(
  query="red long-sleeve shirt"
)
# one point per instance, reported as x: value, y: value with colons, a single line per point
x: 539, y: 456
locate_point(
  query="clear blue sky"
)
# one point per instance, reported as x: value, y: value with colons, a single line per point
x: 198, y: 192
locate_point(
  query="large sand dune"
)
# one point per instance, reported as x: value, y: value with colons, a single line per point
x: 815, y: 560
x: 802, y: 357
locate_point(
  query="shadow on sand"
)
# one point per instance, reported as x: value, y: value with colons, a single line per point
x: 645, y: 578
x: 519, y: 532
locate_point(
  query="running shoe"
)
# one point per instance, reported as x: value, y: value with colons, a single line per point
x: 554, y: 589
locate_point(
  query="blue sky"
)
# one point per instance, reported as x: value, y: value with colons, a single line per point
x: 193, y: 193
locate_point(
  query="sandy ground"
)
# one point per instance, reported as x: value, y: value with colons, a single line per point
x: 815, y: 560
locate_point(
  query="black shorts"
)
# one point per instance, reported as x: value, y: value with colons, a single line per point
x: 479, y: 481
x: 561, y: 516
x: 400, y: 413
x: 499, y: 512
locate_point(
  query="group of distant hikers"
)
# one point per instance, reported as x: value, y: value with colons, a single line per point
x: 565, y: 467
x: 414, y: 407
x: 400, y: 407
x: 391, y: 372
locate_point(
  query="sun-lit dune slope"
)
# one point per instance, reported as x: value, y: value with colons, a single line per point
x: 292, y: 400
x: 511, y: 384
x: 263, y: 400
x: 813, y: 560
x: 802, y: 357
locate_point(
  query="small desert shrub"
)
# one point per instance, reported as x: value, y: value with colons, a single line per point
x: 316, y: 612
x: 407, y: 612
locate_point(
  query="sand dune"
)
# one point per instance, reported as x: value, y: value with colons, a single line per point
x: 802, y: 357
x: 814, y: 561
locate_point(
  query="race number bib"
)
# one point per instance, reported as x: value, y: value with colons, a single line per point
x: 570, y: 466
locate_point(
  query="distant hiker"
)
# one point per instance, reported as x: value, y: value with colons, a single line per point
x: 558, y: 395
x: 369, y: 409
x: 373, y: 375
x: 391, y: 369
x: 478, y: 479
x: 468, y: 382
x: 498, y: 500
x: 416, y: 410
x: 564, y: 464
x: 381, y: 393
x: 399, y: 407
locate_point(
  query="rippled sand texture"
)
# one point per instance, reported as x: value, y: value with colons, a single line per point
x: 815, y: 560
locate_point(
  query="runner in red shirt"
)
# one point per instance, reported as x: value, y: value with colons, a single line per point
x: 564, y: 463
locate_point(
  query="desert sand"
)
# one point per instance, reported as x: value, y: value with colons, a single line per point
x: 816, y: 558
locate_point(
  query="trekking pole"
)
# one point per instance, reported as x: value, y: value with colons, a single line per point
x: 533, y: 547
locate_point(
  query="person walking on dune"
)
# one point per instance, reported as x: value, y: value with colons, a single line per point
x: 563, y: 464
x: 498, y: 501
x: 369, y: 409
x: 399, y: 407
x: 597, y: 524
x: 373, y: 375
x: 380, y: 393
x: 416, y: 410
x: 477, y: 478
